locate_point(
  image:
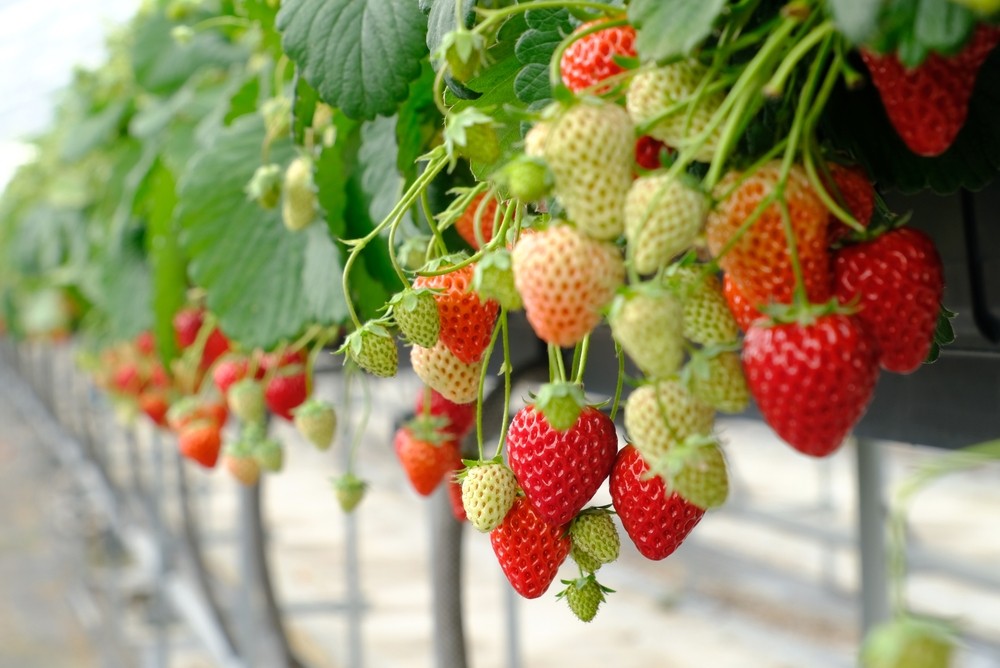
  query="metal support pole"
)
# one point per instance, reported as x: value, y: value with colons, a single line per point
x: 871, y: 535
x: 446, y: 581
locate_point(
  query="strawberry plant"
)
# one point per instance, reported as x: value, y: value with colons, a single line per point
x: 238, y: 188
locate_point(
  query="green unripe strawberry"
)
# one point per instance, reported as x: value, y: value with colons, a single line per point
x: 237, y: 458
x: 525, y: 178
x: 265, y: 186
x: 663, y: 217
x: 488, y: 492
x: 472, y: 134
x: 269, y: 454
x: 594, y: 532
x: 277, y: 112
x: 708, y: 319
x: 584, y: 596
x: 316, y: 420
x: 647, y: 321
x: 662, y: 414
x: 590, y: 149
x: 246, y: 400
x: 587, y: 563
x: 416, y: 313
x: 909, y: 642
x: 298, y: 205
x: 465, y: 53
x: 494, y: 279
x: 561, y: 404
x: 719, y: 381
x: 349, y: 491
x: 373, y: 349
x: 695, y: 469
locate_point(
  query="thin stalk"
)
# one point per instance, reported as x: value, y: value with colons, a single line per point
x: 480, y: 392
x: 621, y: 380
x: 505, y: 338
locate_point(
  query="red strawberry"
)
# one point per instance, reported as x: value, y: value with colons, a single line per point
x: 460, y: 417
x: 127, y: 379
x: 656, y: 522
x: 155, y: 405
x: 590, y: 59
x: 853, y: 190
x: 529, y: 549
x: 216, y: 345
x: 227, y: 372
x: 466, y: 322
x: 560, y: 470
x: 425, y: 454
x: 928, y: 104
x: 286, y: 391
x: 741, y: 308
x: 145, y: 343
x: 466, y: 223
x: 759, y: 260
x: 811, y: 382
x: 455, y: 493
x: 899, y: 279
x: 565, y: 279
x: 201, y: 441
x: 187, y: 324
x: 647, y: 152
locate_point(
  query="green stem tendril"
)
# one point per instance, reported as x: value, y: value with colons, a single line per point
x: 494, y: 17
x: 504, y: 423
x: 621, y: 380
x: 776, y: 84
x: 425, y: 206
x: 393, y: 260
x: 582, y: 366
x: 366, y: 411
x: 437, y: 161
x: 480, y: 392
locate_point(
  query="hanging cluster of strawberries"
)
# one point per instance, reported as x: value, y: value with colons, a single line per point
x: 632, y: 205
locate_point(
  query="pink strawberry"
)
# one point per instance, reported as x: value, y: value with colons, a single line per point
x: 460, y: 417
x: 561, y: 471
x: 441, y: 370
x: 591, y: 59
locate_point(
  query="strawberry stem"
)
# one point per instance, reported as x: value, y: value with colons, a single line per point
x: 620, y: 382
x: 425, y: 206
x: 580, y: 361
x: 776, y: 84
x: 479, y: 393
x: 504, y: 423
x: 497, y: 16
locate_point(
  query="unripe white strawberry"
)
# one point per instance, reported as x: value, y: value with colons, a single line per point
x: 647, y: 321
x: 663, y: 217
x: 663, y: 414
x: 298, y: 204
x: 442, y: 371
x: 488, y: 492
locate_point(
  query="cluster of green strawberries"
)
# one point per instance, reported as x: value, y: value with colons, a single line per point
x: 783, y: 281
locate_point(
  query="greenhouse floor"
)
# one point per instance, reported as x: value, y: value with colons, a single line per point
x: 766, y: 582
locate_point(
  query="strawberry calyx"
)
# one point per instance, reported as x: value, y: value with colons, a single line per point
x: 349, y: 490
x: 804, y: 314
x: 494, y: 279
x: 465, y: 52
x: 699, y: 358
x: 691, y: 458
x: 471, y: 134
x: 429, y: 429
x: 561, y: 403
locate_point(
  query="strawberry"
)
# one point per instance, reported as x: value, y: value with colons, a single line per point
x: 187, y: 323
x: 145, y: 343
x: 662, y: 414
x: 472, y: 134
x: 853, y: 190
x: 455, y: 493
x: 183, y: 413
x: 560, y: 471
x: 529, y: 549
x: 488, y: 492
x: 647, y: 322
x: 298, y: 202
x: 587, y: 563
x: 127, y: 379
x: 373, y: 349
x: 316, y: 420
x: 425, y: 454
x: 482, y: 209
x: 648, y: 151
x: 264, y: 187
x: 268, y: 454
x: 349, y: 490
x: 287, y: 389
x: 759, y: 260
x: 246, y: 400
x: 227, y: 372
x: 812, y: 382
x: 216, y: 345
x: 589, y: 148
x: 441, y: 370
x: 928, y: 104
x: 200, y: 441
x: 525, y: 178
x: 657, y: 522
x: 654, y: 91
x: 718, y: 381
x: 155, y: 404
x: 584, y: 596
x: 740, y: 306
x: 591, y: 59
x: 416, y: 315
x: 243, y: 467
x: 594, y: 533
x: 565, y: 279
x: 706, y: 316
x: 696, y: 469
x: 458, y: 418
x: 898, y: 280
x: 466, y: 321
x: 909, y: 642
x: 663, y: 217
x: 494, y: 279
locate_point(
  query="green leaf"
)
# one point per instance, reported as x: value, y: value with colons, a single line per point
x: 360, y: 55
x: 856, y: 19
x: 255, y: 272
x: 669, y: 28
x: 380, y: 180
x: 417, y: 124
x: 94, y: 131
x: 943, y: 26
x: 169, y: 272
x: 549, y: 20
x: 532, y: 83
x: 123, y: 293
x: 303, y: 107
x: 333, y: 168
x: 537, y: 46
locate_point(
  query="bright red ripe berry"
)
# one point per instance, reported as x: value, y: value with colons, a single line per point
x: 529, y: 549
x: 590, y: 59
